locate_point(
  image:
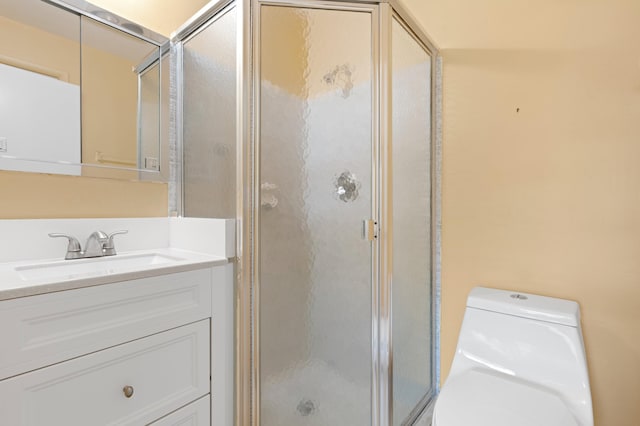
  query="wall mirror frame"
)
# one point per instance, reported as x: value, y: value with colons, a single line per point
x: 85, y: 92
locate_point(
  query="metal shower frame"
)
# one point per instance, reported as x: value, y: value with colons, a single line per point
x: 247, y: 286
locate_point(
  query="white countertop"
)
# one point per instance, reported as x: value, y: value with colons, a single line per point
x: 14, y: 285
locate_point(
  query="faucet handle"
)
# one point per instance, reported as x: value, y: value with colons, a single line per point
x: 109, y: 248
x: 74, y: 250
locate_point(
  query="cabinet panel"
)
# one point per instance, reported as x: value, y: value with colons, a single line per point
x: 194, y: 414
x: 49, y: 328
x: 165, y: 371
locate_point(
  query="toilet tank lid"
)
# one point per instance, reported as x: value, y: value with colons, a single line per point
x: 541, y: 308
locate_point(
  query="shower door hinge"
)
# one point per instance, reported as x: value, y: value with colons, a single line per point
x: 369, y: 229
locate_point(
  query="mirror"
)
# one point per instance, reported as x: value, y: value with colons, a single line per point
x: 81, y: 91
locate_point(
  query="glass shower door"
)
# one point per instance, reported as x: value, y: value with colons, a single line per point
x: 315, y: 143
x: 209, y: 125
x: 412, y: 278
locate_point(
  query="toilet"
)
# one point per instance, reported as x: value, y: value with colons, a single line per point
x: 520, y: 361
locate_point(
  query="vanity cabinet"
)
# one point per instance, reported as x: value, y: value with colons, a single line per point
x: 194, y: 414
x: 137, y: 352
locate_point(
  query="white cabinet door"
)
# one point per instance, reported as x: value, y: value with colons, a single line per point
x: 41, y: 330
x: 165, y: 372
x: 194, y: 414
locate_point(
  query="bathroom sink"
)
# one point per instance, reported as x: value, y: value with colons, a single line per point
x: 71, y: 269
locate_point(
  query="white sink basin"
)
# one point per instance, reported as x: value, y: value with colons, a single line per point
x: 70, y: 269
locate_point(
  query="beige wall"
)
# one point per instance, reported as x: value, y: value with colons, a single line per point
x: 545, y: 200
x: 31, y: 195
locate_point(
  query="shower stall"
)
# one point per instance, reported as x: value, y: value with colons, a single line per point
x: 313, y: 124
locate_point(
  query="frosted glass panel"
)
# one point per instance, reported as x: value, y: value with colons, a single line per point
x: 411, y: 146
x: 315, y: 173
x: 209, y: 129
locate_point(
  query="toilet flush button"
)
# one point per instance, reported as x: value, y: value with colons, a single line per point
x: 3, y: 144
x: 519, y: 296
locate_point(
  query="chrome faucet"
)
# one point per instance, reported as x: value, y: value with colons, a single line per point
x: 74, y: 250
x: 109, y: 249
x: 98, y: 244
x: 95, y: 244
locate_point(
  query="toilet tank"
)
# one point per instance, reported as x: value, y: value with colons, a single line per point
x: 527, y: 337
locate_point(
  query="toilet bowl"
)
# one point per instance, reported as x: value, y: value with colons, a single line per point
x: 520, y: 361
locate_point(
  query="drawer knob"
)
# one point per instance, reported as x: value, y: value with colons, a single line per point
x: 128, y: 391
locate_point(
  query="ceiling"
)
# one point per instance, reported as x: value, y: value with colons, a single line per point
x: 162, y: 16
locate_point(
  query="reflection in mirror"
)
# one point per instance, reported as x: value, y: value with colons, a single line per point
x: 79, y: 88
x: 40, y: 87
x: 120, y: 77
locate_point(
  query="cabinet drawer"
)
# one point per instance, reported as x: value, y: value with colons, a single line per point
x: 197, y: 413
x: 165, y: 371
x: 46, y: 329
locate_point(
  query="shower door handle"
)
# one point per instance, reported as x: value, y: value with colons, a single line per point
x: 369, y: 229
